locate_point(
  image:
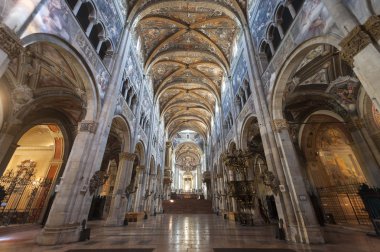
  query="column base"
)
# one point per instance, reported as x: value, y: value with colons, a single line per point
x: 59, y: 235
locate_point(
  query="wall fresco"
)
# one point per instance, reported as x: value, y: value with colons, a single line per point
x: 260, y: 20
x: 56, y: 18
x: 313, y: 20
x: 14, y: 13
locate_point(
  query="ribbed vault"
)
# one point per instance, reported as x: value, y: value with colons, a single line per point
x: 187, y: 49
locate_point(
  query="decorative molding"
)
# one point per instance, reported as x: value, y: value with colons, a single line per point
x: 88, y: 126
x: 128, y: 156
x: 9, y: 42
x: 353, y: 43
x: 280, y: 124
x: 372, y: 26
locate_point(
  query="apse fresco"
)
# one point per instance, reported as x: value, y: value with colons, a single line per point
x: 14, y: 13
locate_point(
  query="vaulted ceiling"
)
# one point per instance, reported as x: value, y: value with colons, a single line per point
x: 187, y: 50
x: 188, y: 156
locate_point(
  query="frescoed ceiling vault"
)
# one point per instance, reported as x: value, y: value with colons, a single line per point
x: 187, y: 49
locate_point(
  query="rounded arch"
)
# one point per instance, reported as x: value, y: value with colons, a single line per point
x: 123, y: 129
x: 232, y: 146
x: 92, y: 94
x: 293, y: 60
x: 140, y: 151
x: 248, y: 131
x: 152, y: 166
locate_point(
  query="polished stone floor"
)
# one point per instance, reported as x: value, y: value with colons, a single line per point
x: 192, y: 233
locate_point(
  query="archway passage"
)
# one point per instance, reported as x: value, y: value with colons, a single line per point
x: 327, y: 142
x: 334, y: 169
x: 31, y: 175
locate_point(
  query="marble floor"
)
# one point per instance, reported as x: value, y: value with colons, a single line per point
x: 192, y: 233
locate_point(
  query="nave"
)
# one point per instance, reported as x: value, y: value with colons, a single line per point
x: 191, y: 233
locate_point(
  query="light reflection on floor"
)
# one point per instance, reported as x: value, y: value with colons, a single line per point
x: 192, y: 233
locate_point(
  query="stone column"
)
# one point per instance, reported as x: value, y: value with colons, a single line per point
x: 366, y: 158
x: 304, y: 211
x: 119, y: 200
x: 139, y: 182
x: 81, y: 177
x: 360, y: 47
x: 63, y: 224
x: 295, y: 230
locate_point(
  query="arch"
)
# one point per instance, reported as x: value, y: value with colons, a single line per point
x: 87, y: 77
x: 123, y: 128
x: 152, y: 166
x: 244, y: 137
x: 86, y: 13
x: 231, y: 146
x: 96, y: 35
x: 140, y: 151
x: 274, y: 36
x: 293, y: 60
x: 284, y: 18
x: 106, y: 50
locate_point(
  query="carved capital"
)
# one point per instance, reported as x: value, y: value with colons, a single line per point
x: 88, y: 126
x: 355, y: 41
x: 127, y: 156
x: 280, y: 124
x: 372, y: 26
x: 169, y: 145
x: 9, y: 42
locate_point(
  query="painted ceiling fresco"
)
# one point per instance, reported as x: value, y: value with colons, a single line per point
x: 187, y: 49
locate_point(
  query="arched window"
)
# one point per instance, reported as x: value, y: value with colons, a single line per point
x: 124, y: 87
x: 297, y: 4
x: 94, y: 37
x: 105, y: 49
x: 267, y: 53
x: 285, y: 18
x: 85, y: 11
x: 72, y: 3
x: 275, y: 36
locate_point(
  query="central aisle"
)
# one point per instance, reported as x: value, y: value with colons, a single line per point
x: 194, y: 232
